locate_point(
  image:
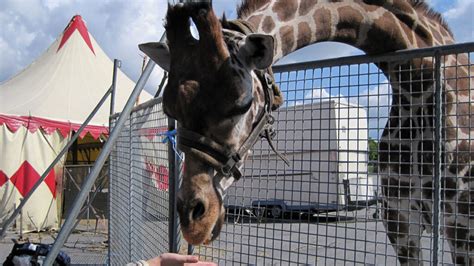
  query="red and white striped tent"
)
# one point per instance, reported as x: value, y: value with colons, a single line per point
x: 40, y: 107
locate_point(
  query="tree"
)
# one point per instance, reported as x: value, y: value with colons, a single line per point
x: 373, y: 150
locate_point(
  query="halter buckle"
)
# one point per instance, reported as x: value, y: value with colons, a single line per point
x: 270, y: 119
x: 226, y: 169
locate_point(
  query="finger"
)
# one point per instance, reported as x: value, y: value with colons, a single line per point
x: 190, y: 259
x: 201, y: 263
x: 179, y: 258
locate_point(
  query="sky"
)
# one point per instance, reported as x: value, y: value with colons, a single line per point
x: 30, y: 26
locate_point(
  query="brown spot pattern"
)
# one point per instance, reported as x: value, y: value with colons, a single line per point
x: 249, y: 6
x: 450, y: 187
x: 285, y: 9
x: 255, y: 20
x: 304, y: 35
x: 268, y: 24
x: 306, y: 6
x: 457, y: 233
x: 287, y: 39
x: 466, y: 203
x: 370, y: 7
x: 408, y: 33
x: 396, y: 188
x: 458, y: 77
x: 384, y: 32
x: 462, y: 157
x: 465, y: 116
x: 402, y: 6
x: 349, y: 24
x: 436, y: 35
x: 322, y: 18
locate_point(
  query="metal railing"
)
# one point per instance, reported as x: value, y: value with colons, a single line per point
x: 344, y: 128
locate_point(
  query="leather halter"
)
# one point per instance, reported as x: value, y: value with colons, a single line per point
x: 226, y: 162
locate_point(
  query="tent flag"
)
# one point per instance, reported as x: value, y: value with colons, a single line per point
x: 26, y: 177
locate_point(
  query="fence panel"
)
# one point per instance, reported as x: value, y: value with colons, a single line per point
x: 372, y: 140
x: 347, y: 177
x: 139, y: 187
x: 119, y: 199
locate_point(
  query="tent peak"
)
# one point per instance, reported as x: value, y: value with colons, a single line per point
x: 79, y: 24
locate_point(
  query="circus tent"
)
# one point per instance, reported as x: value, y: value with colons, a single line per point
x: 40, y: 107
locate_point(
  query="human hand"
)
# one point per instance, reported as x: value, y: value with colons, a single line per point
x: 172, y: 259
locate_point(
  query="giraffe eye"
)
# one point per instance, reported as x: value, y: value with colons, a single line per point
x: 240, y: 109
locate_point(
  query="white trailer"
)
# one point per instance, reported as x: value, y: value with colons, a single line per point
x: 327, y: 145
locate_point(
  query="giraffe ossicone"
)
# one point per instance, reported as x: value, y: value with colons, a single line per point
x: 213, y: 89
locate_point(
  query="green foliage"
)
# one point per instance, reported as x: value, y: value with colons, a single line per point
x: 373, y: 150
x: 373, y: 156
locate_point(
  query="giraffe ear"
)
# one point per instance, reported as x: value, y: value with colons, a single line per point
x: 158, y: 52
x: 258, y: 50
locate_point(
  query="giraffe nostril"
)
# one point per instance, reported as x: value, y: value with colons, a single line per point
x: 198, y: 210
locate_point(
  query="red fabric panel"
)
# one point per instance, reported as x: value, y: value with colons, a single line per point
x: 76, y: 23
x: 50, y: 181
x: 49, y: 126
x: 3, y: 178
x: 26, y: 177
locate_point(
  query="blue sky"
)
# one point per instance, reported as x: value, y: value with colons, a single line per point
x: 30, y: 26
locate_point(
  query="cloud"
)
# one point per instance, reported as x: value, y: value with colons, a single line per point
x: 30, y: 26
x: 377, y: 101
x: 460, y: 20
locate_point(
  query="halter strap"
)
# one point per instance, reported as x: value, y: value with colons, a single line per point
x: 226, y: 162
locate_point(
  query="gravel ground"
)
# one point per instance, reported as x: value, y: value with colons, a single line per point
x: 85, y: 246
x: 350, y: 238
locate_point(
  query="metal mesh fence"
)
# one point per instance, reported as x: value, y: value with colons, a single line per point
x: 139, y: 184
x: 380, y: 170
x: 361, y: 134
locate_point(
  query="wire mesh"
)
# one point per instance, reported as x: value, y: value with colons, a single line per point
x: 139, y: 197
x: 380, y: 169
x: 361, y: 136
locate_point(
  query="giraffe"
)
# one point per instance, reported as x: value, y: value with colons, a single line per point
x: 214, y: 90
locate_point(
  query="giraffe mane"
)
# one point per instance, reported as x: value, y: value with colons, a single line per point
x: 423, y: 7
x: 246, y: 7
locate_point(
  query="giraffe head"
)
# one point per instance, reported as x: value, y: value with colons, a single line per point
x: 212, y: 90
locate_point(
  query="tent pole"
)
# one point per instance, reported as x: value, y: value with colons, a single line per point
x: 17, y: 211
x: 90, y: 180
x: 117, y: 64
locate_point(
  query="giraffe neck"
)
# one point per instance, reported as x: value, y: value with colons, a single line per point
x: 373, y: 28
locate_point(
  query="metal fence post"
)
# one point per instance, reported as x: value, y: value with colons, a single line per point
x: 130, y: 180
x: 174, y: 175
x: 438, y: 161
x: 117, y: 64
